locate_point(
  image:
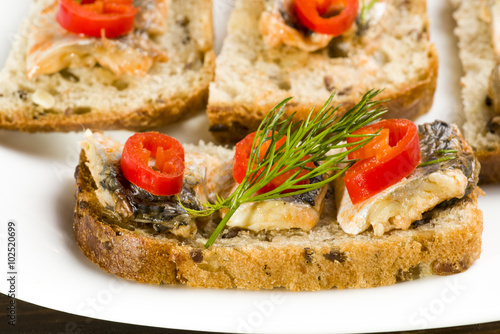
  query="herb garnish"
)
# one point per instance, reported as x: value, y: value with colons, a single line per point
x: 315, y: 137
x: 442, y: 152
x: 361, y: 18
x: 365, y: 8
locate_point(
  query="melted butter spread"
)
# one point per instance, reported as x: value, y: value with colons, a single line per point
x: 399, y: 205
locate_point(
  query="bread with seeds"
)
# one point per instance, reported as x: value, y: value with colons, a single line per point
x: 128, y: 232
x: 390, y: 50
x: 55, y: 80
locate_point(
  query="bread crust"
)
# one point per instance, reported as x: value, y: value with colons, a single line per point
x: 490, y: 170
x: 448, y: 244
x: 136, y: 120
x: 164, y: 106
x: 230, y: 120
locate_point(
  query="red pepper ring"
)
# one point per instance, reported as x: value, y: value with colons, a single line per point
x: 384, y: 162
x: 242, y: 157
x: 92, y: 17
x: 165, y: 179
x: 310, y: 14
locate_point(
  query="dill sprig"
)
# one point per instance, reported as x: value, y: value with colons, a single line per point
x: 365, y: 8
x: 309, y: 141
x: 446, y: 151
x: 442, y: 152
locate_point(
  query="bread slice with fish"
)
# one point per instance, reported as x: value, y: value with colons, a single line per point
x: 478, y: 33
x: 431, y: 224
x: 55, y: 80
x: 267, y: 57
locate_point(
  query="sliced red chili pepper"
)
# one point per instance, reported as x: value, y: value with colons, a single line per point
x: 375, y: 146
x: 386, y: 160
x: 165, y: 179
x: 114, y: 18
x: 242, y: 157
x: 316, y: 15
x: 322, y: 6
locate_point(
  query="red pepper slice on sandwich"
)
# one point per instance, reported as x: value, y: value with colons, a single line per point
x: 242, y: 156
x: 154, y: 162
x: 332, y: 17
x: 385, y: 160
x: 95, y: 18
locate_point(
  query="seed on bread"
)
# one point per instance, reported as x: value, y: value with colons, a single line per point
x: 335, y: 256
x: 43, y: 98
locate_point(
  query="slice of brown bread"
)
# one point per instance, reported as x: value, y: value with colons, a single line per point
x: 476, y: 53
x: 96, y: 98
x: 446, y: 242
x: 394, y: 54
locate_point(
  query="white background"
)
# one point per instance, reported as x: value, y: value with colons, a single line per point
x: 37, y: 191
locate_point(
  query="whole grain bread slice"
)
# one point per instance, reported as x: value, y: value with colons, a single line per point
x: 96, y: 98
x: 394, y: 53
x: 446, y: 242
x: 478, y: 60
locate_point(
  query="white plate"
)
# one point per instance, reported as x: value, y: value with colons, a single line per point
x: 37, y: 188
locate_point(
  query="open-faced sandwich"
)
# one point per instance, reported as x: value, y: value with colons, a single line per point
x: 107, y: 64
x: 329, y: 202
x: 478, y: 32
x: 309, y: 48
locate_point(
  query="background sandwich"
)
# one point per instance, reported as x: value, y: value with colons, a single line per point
x: 269, y: 55
x: 478, y: 34
x: 57, y: 79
